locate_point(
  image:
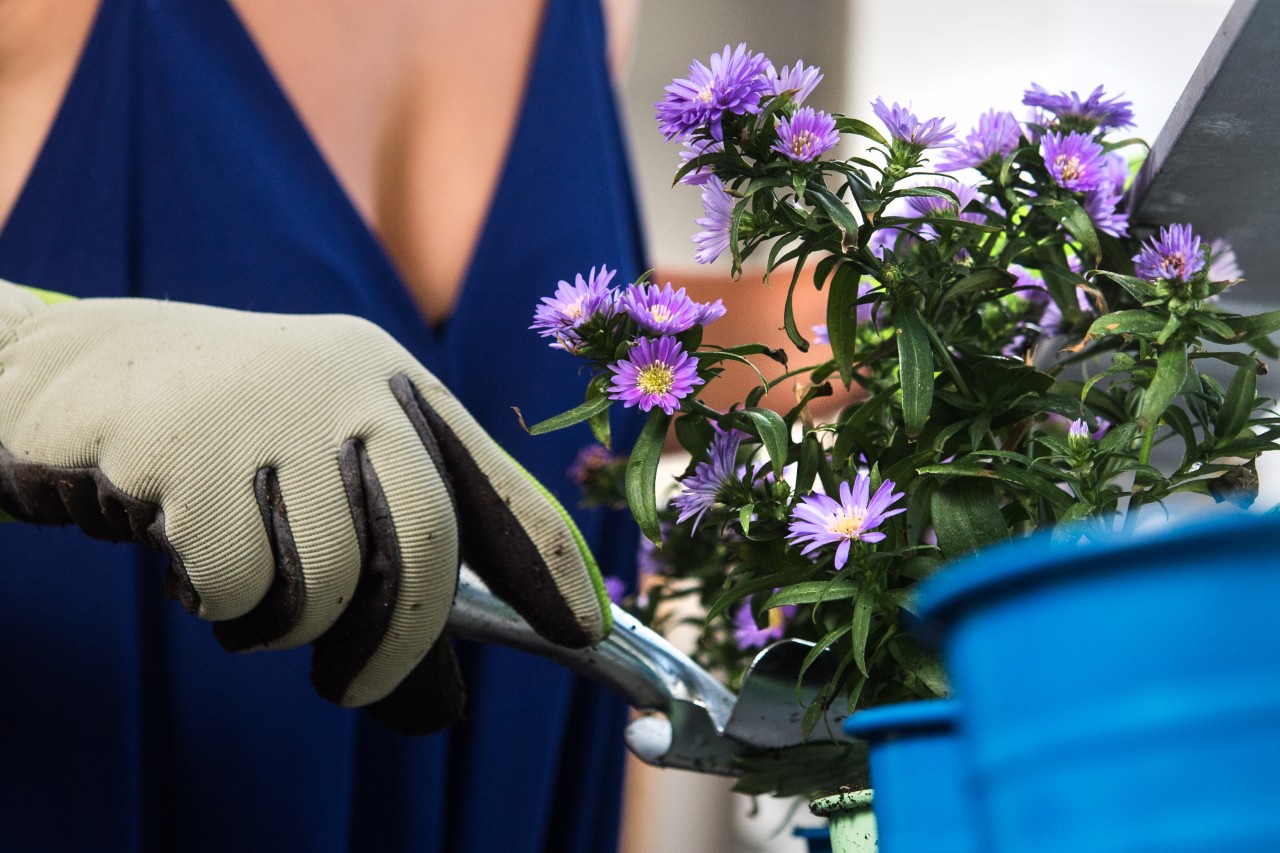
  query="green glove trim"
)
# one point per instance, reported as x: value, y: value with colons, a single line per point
x: 48, y: 297
x: 593, y: 568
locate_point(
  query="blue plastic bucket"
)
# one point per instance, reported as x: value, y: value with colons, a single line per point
x: 923, y: 795
x: 1120, y: 696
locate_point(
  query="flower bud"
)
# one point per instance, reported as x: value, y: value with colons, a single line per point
x: 1079, y: 439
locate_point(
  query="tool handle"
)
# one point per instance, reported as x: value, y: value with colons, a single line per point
x: 634, y: 662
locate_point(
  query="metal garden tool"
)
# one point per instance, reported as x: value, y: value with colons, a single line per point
x: 693, y: 722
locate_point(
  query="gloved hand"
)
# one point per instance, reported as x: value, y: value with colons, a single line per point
x: 310, y: 481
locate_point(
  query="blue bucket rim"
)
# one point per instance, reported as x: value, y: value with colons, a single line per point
x: 1001, y: 569
x: 883, y: 721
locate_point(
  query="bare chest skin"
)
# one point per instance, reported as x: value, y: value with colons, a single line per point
x: 412, y: 104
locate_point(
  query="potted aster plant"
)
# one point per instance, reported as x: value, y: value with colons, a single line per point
x: 1012, y: 359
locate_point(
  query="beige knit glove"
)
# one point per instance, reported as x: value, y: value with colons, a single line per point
x: 310, y: 481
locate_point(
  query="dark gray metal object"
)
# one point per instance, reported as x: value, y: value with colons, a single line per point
x: 693, y: 722
x: 1216, y: 162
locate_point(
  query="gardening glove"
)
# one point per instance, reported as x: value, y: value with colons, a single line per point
x: 308, y: 479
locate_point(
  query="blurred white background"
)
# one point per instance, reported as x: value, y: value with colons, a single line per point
x: 946, y: 58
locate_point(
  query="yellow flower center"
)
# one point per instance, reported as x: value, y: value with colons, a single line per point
x: 849, y: 524
x: 705, y: 94
x: 574, y: 311
x: 800, y: 140
x: 775, y: 618
x: 656, y: 378
x: 660, y: 313
x: 1068, y: 167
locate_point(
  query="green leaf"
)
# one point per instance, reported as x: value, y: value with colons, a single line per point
x: 788, y: 310
x: 1257, y: 325
x: 987, y: 278
x: 774, y: 435
x: 694, y: 433
x: 599, y: 423
x: 860, y: 628
x: 742, y: 590
x: 915, y: 358
x: 1140, y: 289
x: 1074, y: 218
x: 807, y: 464
x: 1074, y: 523
x: 642, y: 474
x: 842, y: 319
x: 1062, y: 285
x: 966, y: 516
x: 840, y: 215
x: 822, y: 645
x: 844, y: 124
x: 710, y: 357
x: 812, y: 592
x: 1237, y: 405
x: 595, y: 404
x: 918, y: 660
x: 852, y: 427
x: 1171, y: 372
x: 1030, y: 480
x: 863, y: 193
x: 1180, y: 421
x: 1136, y: 321
x: 744, y: 517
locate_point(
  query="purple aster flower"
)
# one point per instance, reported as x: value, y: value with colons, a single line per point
x: 1102, y: 206
x: 702, y: 490
x: 1102, y: 202
x: 695, y: 148
x: 929, y: 205
x: 660, y: 310
x: 733, y: 84
x: 906, y: 128
x: 820, y: 334
x: 709, y: 312
x: 749, y: 636
x: 1075, y: 161
x: 1028, y: 286
x: 996, y: 135
x: 1223, y: 265
x: 805, y: 135
x: 819, y: 520
x: 892, y: 239
x: 1078, y: 429
x: 657, y: 372
x: 589, y: 462
x: 573, y: 305
x: 649, y: 558
x: 798, y: 80
x: 1174, y: 255
x: 713, y: 239
x: 1088, y: 113
x: 615, y: 588
x: 1103, y: 426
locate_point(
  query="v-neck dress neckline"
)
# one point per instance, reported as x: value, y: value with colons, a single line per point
x: 176, y: 168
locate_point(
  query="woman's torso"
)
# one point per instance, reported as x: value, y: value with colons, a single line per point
x: 174, y: 168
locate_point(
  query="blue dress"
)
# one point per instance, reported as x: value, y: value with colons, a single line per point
x: 177, y: 169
